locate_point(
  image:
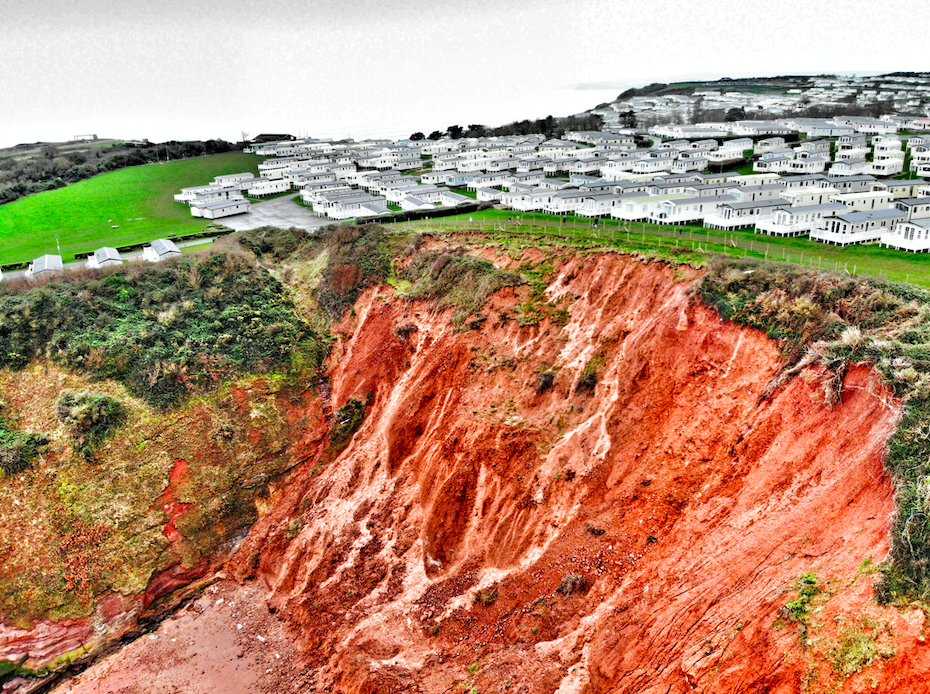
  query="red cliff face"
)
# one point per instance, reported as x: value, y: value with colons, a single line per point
x: 638, y: 535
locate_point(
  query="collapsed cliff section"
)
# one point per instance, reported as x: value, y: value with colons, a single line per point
x: 557, y: 473
x: 589, y: 488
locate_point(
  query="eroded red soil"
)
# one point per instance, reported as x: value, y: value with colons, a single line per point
x: 428, y: 555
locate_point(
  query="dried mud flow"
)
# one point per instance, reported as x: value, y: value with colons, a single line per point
x: 640, y: 536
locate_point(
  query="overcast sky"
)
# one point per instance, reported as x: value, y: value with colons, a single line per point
x: 181, y: 69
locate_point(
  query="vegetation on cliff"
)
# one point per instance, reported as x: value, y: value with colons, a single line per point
x: 452, y: 279
x: 18, y: 448
x: 165, y: 331
x: 91, y: 417
x: 355, y: 257
x: 830, y: 321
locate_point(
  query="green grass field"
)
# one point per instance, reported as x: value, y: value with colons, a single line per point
x: 137, y: 199
x: 859, y: 259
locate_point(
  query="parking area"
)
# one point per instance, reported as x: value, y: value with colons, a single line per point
x: 279, y: 212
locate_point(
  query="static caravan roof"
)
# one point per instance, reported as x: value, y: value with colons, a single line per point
x: 106, y: 253
x: 757, y: 203
x: 853, y: 217
x: 164, y: 247
x: 47, y: 263
x: 223, y: 205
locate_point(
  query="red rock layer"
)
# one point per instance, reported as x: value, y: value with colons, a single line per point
x: 687, y: 504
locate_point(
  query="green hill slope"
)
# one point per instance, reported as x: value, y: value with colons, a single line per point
x: 138, y: 200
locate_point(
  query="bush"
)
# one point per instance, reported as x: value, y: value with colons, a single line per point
x: 358, y: 258
x: 588, y: 379
x: 90, y: 416
x: 18, y: 448
x: 277, y: 243
x: 544, y: 381
x: 454, y: 279
x: 348, y: 419
x: 486, y: 596
x: 573, y: 583
x: 405, y: 330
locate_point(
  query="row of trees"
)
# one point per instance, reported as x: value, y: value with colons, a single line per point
x: 549, y: 127
x: 52, y: 168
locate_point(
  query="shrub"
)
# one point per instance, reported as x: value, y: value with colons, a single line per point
x: 18, y: 448
x: 163, y: 330
x: 544, y: 381
x: 90, y: 416
x: 797, y: 610
x: 573, y: 583
x: 279, y: 244
x: 358, y: 258
x: 347, y: 420
x: 486, y: 596
x: 588, y: 379
x: 857, y: 647
x: 594, y: 530
x: 454, y: 279
x: 405, y: 330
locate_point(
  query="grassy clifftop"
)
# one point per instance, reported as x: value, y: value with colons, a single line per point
x: 138, y: 200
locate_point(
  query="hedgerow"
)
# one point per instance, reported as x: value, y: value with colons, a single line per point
x: 165, y: 331
x: 835, y: 321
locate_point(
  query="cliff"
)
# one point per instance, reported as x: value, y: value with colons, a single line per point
x: 591, y: 490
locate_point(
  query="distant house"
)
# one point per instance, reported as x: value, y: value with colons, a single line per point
x: 911, y: 236
x: 45, y: 266
x: 450, y: 199
x: 856, y: 227
x: 240, y: 180
x: 266, y: 186
x: 215, y: 210
x: 411, y: 202
x: 849, y: 167
x: 488, y: 195
x: 799, y: 220
x: 161, y: 249
x: 104, y: 257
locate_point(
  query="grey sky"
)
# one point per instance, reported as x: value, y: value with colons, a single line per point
x: 184, y: 69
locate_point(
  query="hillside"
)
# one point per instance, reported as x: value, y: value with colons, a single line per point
x: 137, y: 199
x: 743, y: 84
x: 522, y: 466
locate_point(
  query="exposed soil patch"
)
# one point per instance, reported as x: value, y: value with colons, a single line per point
x: 225, y: 641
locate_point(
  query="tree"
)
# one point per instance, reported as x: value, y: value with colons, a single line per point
x: 418, y: 136
x: 476, y: 130
x: 735, y: 114
x: 455, y: 131
x: 435, y: 135
x: 628, y: 119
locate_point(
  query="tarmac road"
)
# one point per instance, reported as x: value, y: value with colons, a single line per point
x: 280, y: 212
